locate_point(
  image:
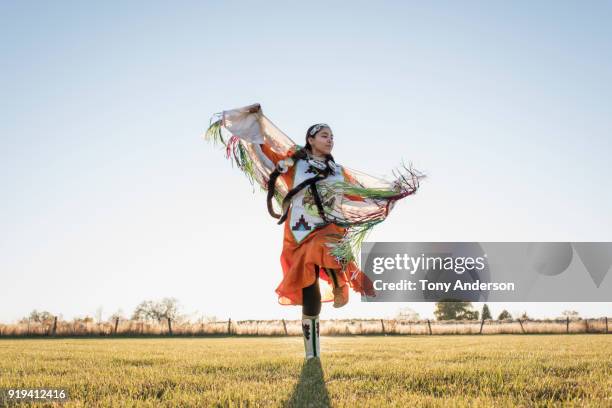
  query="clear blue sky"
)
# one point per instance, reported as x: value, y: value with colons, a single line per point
x: 110, y: 196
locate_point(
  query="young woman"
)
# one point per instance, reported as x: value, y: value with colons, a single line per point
x: 327, y: 209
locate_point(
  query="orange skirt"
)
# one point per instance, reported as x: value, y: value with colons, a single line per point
x: 298, y: 262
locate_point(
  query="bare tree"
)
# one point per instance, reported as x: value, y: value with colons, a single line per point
x: 169, y: 309
x: 38, y: 317
x: 165, y: 310
x: 144, y: 311
x: 118, y: 315
x: 571, y: 314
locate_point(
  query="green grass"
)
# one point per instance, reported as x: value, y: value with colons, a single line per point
x: 493, y: 370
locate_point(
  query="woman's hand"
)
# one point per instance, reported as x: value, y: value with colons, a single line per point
x: 254, y: 108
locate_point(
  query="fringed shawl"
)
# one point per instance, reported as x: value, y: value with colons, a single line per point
x: 362, y: 200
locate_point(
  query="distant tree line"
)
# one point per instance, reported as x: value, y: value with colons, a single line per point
x: 459, y: 310
x: 161, y: 311
x: 166, y: 310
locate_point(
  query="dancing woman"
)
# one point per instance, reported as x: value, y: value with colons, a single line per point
x: 327, y: 209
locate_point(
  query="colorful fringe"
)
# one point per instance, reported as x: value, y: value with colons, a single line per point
x: 213, y: 133
x: 360, y: 225
x: 235, y: 150
x: 345, y: 249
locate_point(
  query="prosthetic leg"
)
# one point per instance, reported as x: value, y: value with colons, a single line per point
x: 311, y: 309
x: 310, y: 327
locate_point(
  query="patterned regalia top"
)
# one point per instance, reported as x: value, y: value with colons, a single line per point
x: 304, y: 215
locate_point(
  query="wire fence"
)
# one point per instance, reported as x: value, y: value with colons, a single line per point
x: 131, y: 328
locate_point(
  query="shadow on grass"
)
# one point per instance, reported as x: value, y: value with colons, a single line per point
x: 310, y: 391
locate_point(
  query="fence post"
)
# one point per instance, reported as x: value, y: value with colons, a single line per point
x: 429, y: 325
x: 229, y: 326
x: 54, y: 330
x: 522, y: 328
x: 606, y: 324
x: 481, y: 324
x: 169, y: 326
x: 383, y: 326
x: 116, y: 324
x: 567, y: 325
x: 586, y: 325
x: 285, y: 327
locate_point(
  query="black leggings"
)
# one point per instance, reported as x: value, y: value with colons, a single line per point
x: 311, y: 295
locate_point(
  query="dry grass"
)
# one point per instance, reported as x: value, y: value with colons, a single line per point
x: 354, y: 371
x: 293, y: 328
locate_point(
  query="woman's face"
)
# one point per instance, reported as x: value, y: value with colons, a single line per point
x: 322, y: 142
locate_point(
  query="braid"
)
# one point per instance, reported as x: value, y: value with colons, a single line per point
x: 328, y: 168
x: 301, y: 153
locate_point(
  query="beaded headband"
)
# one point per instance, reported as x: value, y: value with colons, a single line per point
x: 318, y: 127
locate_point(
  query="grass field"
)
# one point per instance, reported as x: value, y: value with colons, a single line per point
x: 493, y: 370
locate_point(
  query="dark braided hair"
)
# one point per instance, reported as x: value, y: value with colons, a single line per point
x: 303, y: 153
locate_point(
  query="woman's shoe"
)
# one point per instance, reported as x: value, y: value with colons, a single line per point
x: 341, y: 296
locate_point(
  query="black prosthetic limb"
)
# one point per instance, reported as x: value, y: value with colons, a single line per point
x: 311, y: 296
